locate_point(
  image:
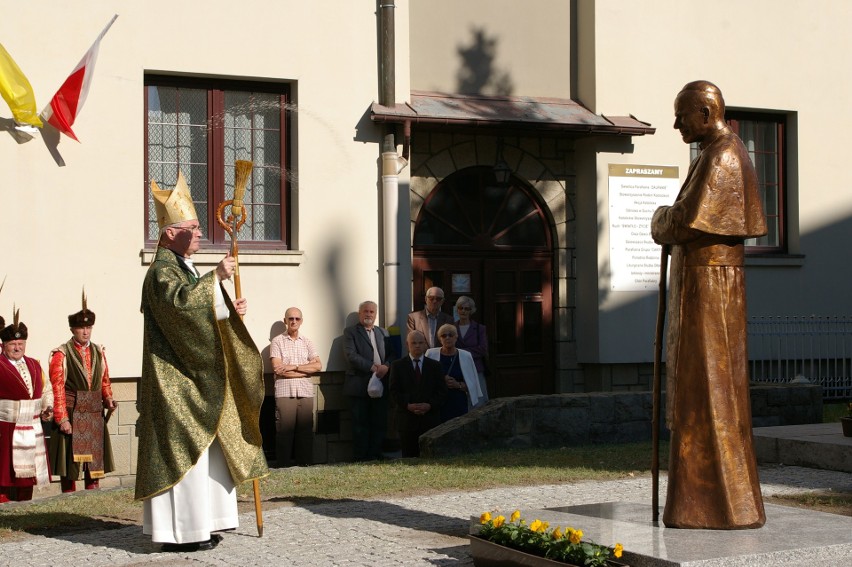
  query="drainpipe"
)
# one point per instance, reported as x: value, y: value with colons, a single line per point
x: 391, y: 166
x: 388, y: 60
x: 390, y: 210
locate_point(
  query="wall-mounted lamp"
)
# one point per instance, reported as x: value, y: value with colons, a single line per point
x: 502, y: 171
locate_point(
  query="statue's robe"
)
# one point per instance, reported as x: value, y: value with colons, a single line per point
x: 202, y: 380
x: 712, y: 478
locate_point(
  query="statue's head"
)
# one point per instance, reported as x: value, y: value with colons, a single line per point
x: 699, y: 111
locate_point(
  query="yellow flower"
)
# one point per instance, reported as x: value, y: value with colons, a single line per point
x: 544, y: 526
x: 575, y: 536
x: 618, y: 550
x: 515, y: 516
x: 536, y: 525
x: 485, y: 518
x: 557, y: 533
x: 499, y: 521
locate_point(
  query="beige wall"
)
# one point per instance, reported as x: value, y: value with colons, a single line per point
x: 75, y: 218
x: 81, y: 222
x: 530, y: 44
x: 763, y: 55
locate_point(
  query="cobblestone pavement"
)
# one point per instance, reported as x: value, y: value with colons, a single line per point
x: 405, y: 531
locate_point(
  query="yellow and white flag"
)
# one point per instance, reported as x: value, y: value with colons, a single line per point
x: 16, y: 91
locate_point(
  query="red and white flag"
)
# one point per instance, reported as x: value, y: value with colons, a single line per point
x: 69, y: 99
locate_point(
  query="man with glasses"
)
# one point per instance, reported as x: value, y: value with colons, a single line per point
x: 200, y: 391
x: 294, y: 360
x: 431, y: 318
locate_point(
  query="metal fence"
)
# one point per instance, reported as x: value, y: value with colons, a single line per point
x: 782, y: 349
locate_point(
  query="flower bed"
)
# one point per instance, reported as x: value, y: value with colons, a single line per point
x: 517, y: 544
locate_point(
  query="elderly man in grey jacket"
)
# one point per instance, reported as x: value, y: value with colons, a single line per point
x: 366, y: 356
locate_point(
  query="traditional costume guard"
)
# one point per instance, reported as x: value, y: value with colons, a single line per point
x: 81, y: 391
x: 24, y: 398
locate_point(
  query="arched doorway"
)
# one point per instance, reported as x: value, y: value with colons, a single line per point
x: 493, y: 243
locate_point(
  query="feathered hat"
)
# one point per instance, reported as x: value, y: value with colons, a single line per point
x: 17, y: 331
x: 82, y: 318
x: 2, y: 320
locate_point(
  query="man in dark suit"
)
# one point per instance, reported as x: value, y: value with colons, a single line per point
x: 366, y: 354
x: 417, y: 386
x: 431, y: 318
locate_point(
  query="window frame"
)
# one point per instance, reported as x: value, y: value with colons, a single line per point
x: 216, y: 239
x: 733, y: 118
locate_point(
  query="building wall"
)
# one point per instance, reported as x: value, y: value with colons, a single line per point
x: 503, y: 47
x: 75, y: 211
x: 546, y: 164
x: 784, y: 59
x: 618, y: 58
x: 78, y: 214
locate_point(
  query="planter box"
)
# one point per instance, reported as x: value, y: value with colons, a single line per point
x: 488, y: 554
x: 846, y: 424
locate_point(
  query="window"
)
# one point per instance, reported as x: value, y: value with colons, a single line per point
x: 201, y: 127
x: 763, y: 136
x: 469, y: 208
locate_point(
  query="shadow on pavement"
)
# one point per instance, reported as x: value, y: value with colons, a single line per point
x: 387, y: 513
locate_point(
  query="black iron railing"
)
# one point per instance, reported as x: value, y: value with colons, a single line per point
x: 819, y: 349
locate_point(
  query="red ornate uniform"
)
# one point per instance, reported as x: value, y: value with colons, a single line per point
x: 12, y: 387
x: 80, y: 378
x: 57, y: 379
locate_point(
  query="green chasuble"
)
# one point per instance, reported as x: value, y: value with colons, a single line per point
x: 201, y: 379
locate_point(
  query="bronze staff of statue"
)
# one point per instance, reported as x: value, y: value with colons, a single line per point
x: 712, y: 479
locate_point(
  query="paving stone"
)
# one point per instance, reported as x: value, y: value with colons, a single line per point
x: 405, y: 531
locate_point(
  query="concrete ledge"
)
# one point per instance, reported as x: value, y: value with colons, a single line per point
x: 814, y: 445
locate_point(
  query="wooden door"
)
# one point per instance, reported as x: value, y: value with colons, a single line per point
x: 456, y: 276
x: 520, y: 326
x: 492, y: 242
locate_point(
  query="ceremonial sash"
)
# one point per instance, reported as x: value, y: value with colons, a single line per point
x: 87, y: 443
x: 28, y: 454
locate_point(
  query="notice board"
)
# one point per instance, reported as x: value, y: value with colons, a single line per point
x: 635, y: 192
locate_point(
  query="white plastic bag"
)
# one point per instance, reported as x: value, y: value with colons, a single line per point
x: 375, y: 389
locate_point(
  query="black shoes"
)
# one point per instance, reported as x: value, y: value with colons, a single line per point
x: 194, y: 546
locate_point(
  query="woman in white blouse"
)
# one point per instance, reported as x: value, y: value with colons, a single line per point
x: 459, y: 373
